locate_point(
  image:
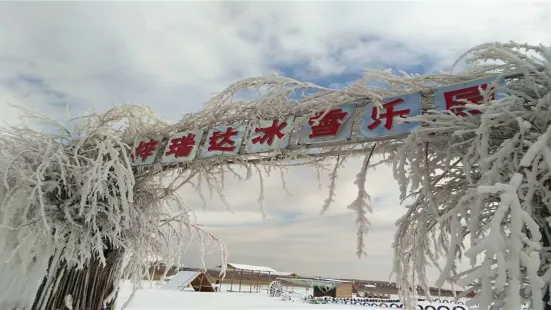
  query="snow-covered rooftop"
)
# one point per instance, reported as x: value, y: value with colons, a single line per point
x: 181, y: 280
x: 252, y: 268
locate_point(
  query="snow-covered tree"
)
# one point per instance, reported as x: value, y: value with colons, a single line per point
x: 481, y: 187
x: 73, y: 208
x: 75, y: 218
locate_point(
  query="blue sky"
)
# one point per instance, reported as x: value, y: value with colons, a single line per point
x: 175, y: 56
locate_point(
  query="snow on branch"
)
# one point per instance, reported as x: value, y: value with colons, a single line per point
x: 483, y: 181
x: 68, y: 197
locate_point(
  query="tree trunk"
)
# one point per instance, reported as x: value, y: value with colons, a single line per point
x: 546, y: 296
x: 88, y: 287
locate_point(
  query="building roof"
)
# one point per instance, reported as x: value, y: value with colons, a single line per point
x: 262, y: 269
x: 199, y: 280
x: 181, y: 280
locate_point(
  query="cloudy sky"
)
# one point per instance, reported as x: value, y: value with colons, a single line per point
x: 174, y: 56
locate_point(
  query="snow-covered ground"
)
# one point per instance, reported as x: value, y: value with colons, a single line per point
x: 155, y: 298
x: 159, y: 299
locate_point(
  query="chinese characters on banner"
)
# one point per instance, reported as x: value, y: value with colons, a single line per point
x: 182, y: 146
x: 223, y: 140
x: 144, y: 151
x: 452, y: 97
x: 270, y: 135
x: 386, y: 120
x: 336, y: 125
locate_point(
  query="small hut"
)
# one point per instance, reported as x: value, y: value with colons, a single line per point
x: 340, y: 289
x: 199, y: 280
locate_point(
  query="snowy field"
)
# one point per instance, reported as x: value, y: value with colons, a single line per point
x: 156, y: 298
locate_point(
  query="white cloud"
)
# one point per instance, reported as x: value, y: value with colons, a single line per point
x: 216, y: 218
x: 174, y: 56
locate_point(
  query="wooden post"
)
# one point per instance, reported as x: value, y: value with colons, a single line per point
x: 257, y: 282
x: 251, y: 282
x: 232, y: 278
x: 240, y: 279
x: 269, y: 280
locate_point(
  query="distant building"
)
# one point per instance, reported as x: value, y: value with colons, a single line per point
x: 261, y: 271
x: 252, y: 276
x: 341, y: 290
x: 384, y: 288
x: 199, y: 280
x: 323, y: 287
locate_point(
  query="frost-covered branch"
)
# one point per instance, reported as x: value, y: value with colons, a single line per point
x: 484, y: 183
x: 71, y: 197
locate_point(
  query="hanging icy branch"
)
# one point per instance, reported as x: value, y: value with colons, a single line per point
x: 332, y: 185
x: 361, y: 205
